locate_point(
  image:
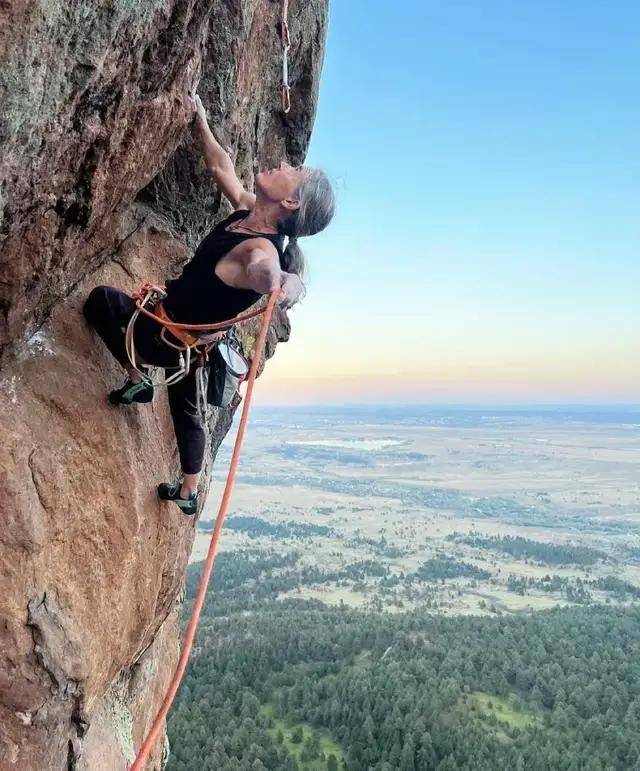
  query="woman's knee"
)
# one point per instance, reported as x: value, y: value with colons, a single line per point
x: 96, y: 305
x: 189, y: 424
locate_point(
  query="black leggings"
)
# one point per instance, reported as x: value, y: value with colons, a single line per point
x: 108, y: 311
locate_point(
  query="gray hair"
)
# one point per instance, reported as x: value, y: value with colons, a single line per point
x: 317, y: 206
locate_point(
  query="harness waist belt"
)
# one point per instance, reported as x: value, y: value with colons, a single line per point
x: 186, y: 338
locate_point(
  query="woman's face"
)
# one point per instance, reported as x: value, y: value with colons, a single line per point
x: 280, y: 184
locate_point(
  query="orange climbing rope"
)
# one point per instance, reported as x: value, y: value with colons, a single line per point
x: 149, y: 741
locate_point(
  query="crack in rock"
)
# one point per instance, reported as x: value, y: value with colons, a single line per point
x: 56, y: 648
x: 60, y: 654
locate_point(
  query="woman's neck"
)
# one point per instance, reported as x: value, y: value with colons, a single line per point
x: 262, y: 218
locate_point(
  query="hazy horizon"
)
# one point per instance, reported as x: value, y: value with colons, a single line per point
x: 631, y: 406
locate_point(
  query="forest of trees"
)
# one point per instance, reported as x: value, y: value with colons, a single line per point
x: 525, y: 548
x: 573, y: 589
x: 616, y: 586
x: 255, y: 527
x: 443, y: 566
x: 296, y: 685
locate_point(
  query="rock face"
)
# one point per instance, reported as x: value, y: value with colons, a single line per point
x: 100, y: 183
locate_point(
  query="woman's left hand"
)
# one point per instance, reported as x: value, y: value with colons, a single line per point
x: 292, y: 290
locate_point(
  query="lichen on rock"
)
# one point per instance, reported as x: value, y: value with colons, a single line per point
x: 100, y: 183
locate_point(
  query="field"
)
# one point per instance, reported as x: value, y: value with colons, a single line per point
x: 397, y: 489
x: 295, y: 737
x: 490, y: 706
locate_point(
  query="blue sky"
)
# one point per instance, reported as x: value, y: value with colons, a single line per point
x: 485, y: 156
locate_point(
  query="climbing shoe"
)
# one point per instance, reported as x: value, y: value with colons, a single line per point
x: 130, y: 393
x: 170, y: 491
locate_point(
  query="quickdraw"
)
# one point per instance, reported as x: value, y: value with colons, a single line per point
x: 285, y: 39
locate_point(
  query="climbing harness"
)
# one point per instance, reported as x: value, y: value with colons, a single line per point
x: 150, y: 294
x: 285, y: 39
x: 148, y: 744
x: 188, y: 345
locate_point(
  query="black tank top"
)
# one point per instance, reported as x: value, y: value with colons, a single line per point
x: 199, y: 296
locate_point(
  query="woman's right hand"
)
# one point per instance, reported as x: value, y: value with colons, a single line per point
x: 198, y: 108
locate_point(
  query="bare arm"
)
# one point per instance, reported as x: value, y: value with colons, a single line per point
x: 259, y: 269
x: 264, y: 274
x: 218, y: 162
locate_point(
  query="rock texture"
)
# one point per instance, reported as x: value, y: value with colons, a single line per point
x: 100, y: 183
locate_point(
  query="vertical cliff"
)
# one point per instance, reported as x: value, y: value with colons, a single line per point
x: 99, y: 183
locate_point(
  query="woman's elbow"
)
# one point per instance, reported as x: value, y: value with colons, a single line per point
x: 270, y: 284
x: 262, y: 279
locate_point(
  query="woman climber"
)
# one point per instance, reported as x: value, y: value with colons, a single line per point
x: 241, y: 259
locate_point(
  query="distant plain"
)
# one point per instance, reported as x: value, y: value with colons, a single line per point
x: 401, y: 487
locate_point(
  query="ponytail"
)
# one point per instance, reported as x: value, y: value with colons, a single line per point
x: 293, y: 259
x: 317, y: 205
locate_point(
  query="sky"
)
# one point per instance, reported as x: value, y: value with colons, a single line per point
x: 485, y: 247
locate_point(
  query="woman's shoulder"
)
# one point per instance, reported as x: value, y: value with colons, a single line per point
x: 236, y: 215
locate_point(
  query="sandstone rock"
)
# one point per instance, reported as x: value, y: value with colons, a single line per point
x: 99, y: 183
